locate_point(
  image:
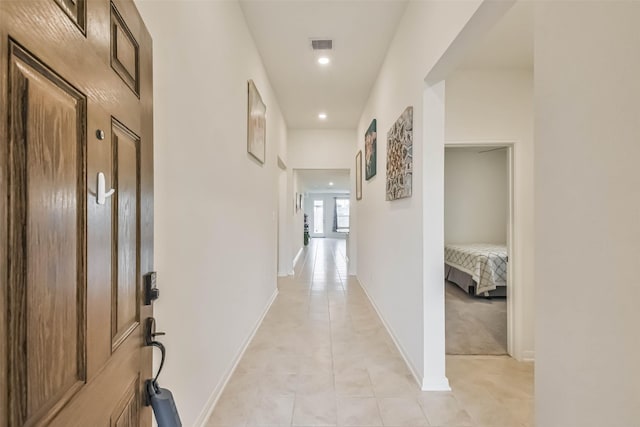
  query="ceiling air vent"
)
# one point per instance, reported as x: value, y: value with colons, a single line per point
x: 322, y: 44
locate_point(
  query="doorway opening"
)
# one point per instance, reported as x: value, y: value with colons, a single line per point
x: 342, y: 214
x: 318, y: 218
x: 480, y: 94
x: 478, y: 184
x: 324, y: 198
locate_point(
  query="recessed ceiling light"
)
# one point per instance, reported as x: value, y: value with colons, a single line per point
x: 322, y: 116
x: 331, y: 183
x: 324, y: 60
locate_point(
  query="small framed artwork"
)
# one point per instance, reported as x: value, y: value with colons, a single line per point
x: 370, y: 151
x: 256, y: 123
x: 359, y: 175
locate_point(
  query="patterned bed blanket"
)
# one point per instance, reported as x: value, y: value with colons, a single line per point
x: 487, y: 264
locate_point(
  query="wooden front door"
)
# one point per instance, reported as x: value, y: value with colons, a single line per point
x: 75, y: 101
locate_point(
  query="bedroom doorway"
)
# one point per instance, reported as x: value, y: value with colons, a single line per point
x: 478, y: 219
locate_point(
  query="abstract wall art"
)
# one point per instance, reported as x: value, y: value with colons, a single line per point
x: 256, y: 124
x: 370, y: 151
x: 359, y: 175
x: 400, y: 157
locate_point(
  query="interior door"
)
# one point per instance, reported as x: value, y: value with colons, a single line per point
x: 75, y: 101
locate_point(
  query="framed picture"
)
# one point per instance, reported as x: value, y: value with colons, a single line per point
x: 359, y: 175
x: 370, y: 151
x: 256, y: 123
x: 400, y: 156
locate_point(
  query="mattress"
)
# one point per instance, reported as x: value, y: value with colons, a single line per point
x: 486, y: 263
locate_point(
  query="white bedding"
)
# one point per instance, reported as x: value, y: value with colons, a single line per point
x: 486, y: 263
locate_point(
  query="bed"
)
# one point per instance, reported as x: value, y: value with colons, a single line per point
x: 479, y: 269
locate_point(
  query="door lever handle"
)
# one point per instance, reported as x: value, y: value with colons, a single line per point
x: 150, y: 331
x: 102, y: 193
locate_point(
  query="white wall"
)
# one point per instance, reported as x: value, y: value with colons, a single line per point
x: 392, y: 242
x: 496, y: 105
x: 322, y: 149
x: 215, y: 207
x: 587, y: 214
x: 476, y: 196
x: 284, y: 218
x: 329, y: 203
x: 296, y: 222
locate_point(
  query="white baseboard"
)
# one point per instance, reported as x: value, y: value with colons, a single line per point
x: 425, y: 384
x: 217, y: 391
x: 528, y: 356
x: 435, y: 384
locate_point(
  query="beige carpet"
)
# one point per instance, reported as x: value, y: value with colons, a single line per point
x: 474, y: 325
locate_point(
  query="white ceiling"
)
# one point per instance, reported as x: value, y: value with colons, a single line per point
x: 361, y: 32
x: 317, y: 180
x: 509, y: 44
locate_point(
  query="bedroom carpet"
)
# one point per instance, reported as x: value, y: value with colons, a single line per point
x: 474, y: 325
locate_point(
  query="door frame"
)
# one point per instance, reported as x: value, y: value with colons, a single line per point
x: 514, y: 291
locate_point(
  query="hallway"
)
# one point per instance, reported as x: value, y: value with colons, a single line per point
x: 323, y: 358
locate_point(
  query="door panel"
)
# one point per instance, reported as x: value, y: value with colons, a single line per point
x: 124, y: 51
x: 127, y: 413
x: 46, y: 294
x: 76, y: 10
x: 126, y: 298
x: 70, y: 312
x: 98, y: 400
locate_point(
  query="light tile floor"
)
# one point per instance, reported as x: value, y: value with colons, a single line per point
x: 323, y: 358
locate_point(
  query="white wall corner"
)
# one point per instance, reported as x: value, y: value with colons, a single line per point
x: 528, y: 356
x: 206, y: 412
x: 401, y: 350
x: 295, y: 261
x: 282, y: 164
x: 485, y: 17
x: 433, y: 248
x: 435, y: 384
